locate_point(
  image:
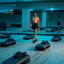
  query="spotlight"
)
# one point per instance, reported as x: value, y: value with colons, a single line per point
x: 52, y: 9
x: 31, y: 9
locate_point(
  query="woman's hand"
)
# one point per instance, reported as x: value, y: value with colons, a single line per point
x: 38, y: 29
x: 30, y: 24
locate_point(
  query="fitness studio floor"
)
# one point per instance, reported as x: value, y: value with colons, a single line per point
x: 52, y: 55
x: 16, y: 18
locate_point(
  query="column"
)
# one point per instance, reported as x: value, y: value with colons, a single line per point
x: 44, y: 17
x: 25, y: 19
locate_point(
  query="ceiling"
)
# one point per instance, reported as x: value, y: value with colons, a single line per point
x: 32, y: 5
x: 41, y: 5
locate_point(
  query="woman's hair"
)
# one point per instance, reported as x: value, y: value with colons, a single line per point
x: 58, y: 16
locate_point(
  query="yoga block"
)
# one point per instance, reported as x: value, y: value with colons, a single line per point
x: 28, y: 37
x: 7, y: 43
x: 18, y: 58
x: 56, y: 38
x: 42, y: 46
x: 4, y: 36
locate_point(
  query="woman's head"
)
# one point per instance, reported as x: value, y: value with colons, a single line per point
x: 35, y: 14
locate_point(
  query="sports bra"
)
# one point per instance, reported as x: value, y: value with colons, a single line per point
x: 35, y: 20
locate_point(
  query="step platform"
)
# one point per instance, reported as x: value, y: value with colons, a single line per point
x: 56, y: 38
x: 51, y: 30
x: 28, y: 37
x: 24, y: 31
x: 30, y: 30
x: 4, y: 36
x: 18, y: 58
x: 7, y: 43
x: 42, y: 46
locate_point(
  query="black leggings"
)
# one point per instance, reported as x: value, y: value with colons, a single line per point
x: 59, y: 23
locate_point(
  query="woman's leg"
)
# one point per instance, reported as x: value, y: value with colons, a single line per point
x: 35, y: 30
x: 35, y: 33
x: 58, y: 28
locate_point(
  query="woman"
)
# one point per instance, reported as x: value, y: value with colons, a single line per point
x: 59, y: 23
x: 35, y: 25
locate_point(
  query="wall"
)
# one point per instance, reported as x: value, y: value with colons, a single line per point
x: 7, y: 6
x: 8, y: 0
x: 10, y: 18
x: 52, y: 18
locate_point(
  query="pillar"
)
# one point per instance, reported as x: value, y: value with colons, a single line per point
x: 25, y: 19
x: 44, y: 17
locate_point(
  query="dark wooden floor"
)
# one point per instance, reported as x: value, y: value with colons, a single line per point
x: 53, y: 55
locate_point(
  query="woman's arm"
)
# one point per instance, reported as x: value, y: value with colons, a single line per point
x: 31, y: 22
x: 38, y: 24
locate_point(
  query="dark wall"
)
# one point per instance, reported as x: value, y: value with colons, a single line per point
x: 52, y: 17
x: 10, y: 19
x: 8, y: 0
